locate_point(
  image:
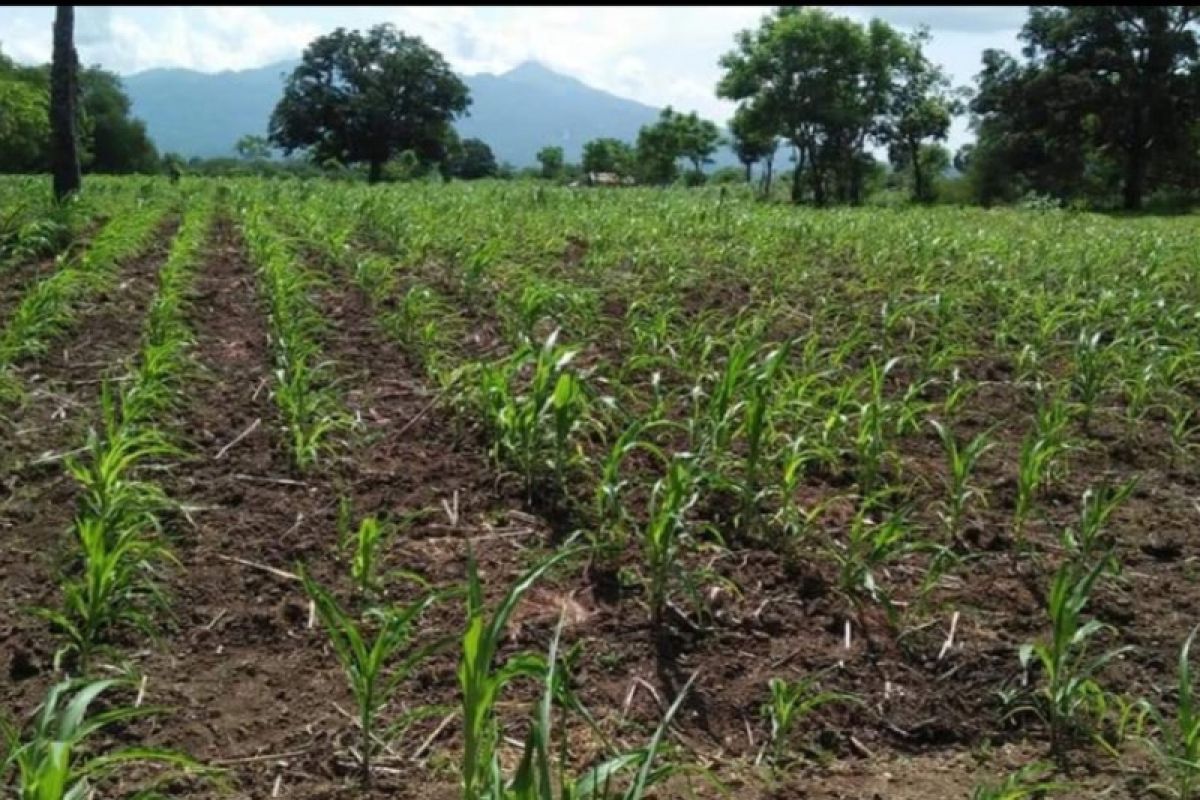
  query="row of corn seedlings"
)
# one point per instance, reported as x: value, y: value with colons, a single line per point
x: 50, y: 307
x: 304, y: 386
x: 859, y: 336
x: 119, y: 547
x: 117, y: 531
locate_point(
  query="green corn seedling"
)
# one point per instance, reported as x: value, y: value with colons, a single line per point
x: 672, y: 497
x: 792, y: 702
x: 1027, y: 783
x: 376, y: 666
x: 1178, y: 742
x: 480, y: 682
x: 54, y: 759
x: 960, y: 463
x: 1099, y: 503
x: 534, y: 779
x: 1069, y: 691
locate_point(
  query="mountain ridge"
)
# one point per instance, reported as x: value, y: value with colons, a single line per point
x: 517, y: 112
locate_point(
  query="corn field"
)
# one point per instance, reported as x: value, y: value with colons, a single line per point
x: 504, y: 491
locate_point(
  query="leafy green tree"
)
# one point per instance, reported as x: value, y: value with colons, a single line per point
x: 608, y: 155
x: 113, y: 141
x: 24, y: 126
x: 472, y: 160
x: 363, y: 97
x: 657, y: 150
x: 253, y: 148
x: 922, y: 107
x: 1135, y: 68
x: 1103, y: 90
x: 109, y: 139
x: 821, y: 82
x: 551, y: 159
x: 753, y: 138
x: 672, y: 137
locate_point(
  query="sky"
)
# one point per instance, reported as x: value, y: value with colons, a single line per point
x: 657, y: 55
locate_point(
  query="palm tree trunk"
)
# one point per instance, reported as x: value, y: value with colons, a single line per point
x: 64, y: 83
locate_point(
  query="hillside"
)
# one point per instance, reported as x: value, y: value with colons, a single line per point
x: 516, y: 113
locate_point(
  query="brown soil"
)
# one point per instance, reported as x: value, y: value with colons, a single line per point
x: 62, y: 400
x: 257, y: 690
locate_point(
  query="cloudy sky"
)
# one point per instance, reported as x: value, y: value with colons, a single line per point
x: 658, y: 55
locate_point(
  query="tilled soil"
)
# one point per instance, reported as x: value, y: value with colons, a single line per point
x: 62, y: 400
x: 255, y: 688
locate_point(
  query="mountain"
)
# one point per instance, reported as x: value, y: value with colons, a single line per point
x: 516, y: 113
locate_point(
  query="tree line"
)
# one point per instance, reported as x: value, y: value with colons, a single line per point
x: 1100, y: 109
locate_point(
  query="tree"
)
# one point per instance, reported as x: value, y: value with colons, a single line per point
x: 826, y: 84
x: 657, y: 150
x: 697, y: 139
x: 24, y: 122
x: 1103, y: 90
x: 671, y: 137
x: 253, y: 148
x: 921, y: 108
x: 64, y: 90
x: 473, y: 159
x: 608, y: 155
x: 362, y: 97
x: 113, y: 141
x: 551, y: 159
x: 753, y: 139
x: 108, y: 139
x: 1135, y: 68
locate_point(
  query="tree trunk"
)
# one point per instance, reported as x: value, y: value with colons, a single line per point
x: 376, y: 171
x: 64, y: 68
x: 818, y: 181
x: 770, y: 169
x: 856, y: 180
x: 920, y: 193
x: 1135, y: 178
x: 749, y: 177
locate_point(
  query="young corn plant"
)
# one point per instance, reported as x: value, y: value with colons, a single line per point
x: 55, y: 759
x: 1178, y: 744
x: 871, y: 441
x: 1042, y: 451
x: 672, y: 497
x: 1070, y: 693
x: 960, y: 463
x: 756, y: 428
x: 870, y: 546
x: 1099, y: 503
x: 1027, y: 783
x: 480, y: 682
x: 533, y: 430
x: 612, y: 520
x: 116, y: 535
x: 1091, y: 372
x: 791, y: 702
x: 375, y: 665
x: 304, y: 389
x: 114, y: 587
x: 534, y: 779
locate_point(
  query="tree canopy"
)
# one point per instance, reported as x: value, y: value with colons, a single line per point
x: 830, y: 86
x: 473, y: 159
x: 672, y: 137
x: 359, y: 98
x: 608, y: 155
x: 552, y: 161
x: 1104, y: 101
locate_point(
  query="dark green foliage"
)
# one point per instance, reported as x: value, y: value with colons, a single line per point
x: 360, y: 98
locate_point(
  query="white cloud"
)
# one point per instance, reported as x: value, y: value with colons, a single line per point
x: 657, y: 55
